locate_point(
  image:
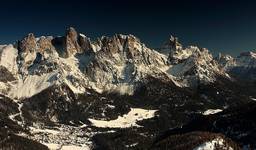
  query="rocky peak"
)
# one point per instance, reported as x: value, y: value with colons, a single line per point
x: 134, y: 46
x: 27, y: 48
x: 126, y: 45
x: 71, y: 42
x: 172, y: 44
x: 178, y: 55
x: 85, y: 43
x: 44, y: 43
x: 71, y: 32
x: 111, y: 45
x: 27, y: 44
x: 174, y: 49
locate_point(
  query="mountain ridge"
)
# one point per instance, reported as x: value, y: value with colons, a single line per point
x: 61, y: 88
x: 115, y: 63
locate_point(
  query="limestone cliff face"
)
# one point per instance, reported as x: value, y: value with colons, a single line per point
x: 45, y: 44
x: 71, y: 46
x: 85, y: 43
x: 27, y: 48
x: 28, y: 44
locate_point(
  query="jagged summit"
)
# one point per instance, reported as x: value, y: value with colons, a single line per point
x: 170, y: 46
x: 27, y: 44
x: 173, y: 43
x: 119, y: 63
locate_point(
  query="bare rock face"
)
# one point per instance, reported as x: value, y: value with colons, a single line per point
x: 44, y: 44
x: 85, y: 43
x: 176, y: 50
x: 178, y: 53
x: 174, y: 43
x: 28, y: 44
x: 171, y: 46
x: 133, y: 47
x: 8, y: 76
x: 111, y: 45
x: 27, y: 48
x: 71, y: 42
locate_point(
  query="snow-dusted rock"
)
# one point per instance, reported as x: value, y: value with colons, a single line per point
x: 242, y: 66
x: 118, y: 64
x: 45, y: 46
x: 121, y: 64
x: 8, y: 55
x: 195, y: 66
x: 217, y: 143
x: 171, y: 47
x: 71, y: 42
x: 85, y: 43
x: 27, y: 49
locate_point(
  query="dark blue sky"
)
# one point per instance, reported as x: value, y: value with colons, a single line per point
x: 220, y: 25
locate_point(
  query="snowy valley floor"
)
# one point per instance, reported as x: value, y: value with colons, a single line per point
x: 67, y: 137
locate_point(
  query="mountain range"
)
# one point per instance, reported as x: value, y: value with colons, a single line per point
x: 69, y: 92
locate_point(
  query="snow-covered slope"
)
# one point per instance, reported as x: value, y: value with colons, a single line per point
x: 125, y: 121
x: 8, y: 55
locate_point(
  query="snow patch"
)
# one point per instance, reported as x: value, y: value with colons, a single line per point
x: 125, y: 121
x: 53, y: 146
x: 72, y: 147
x: 8, y: 57
x: 31, y: 85
x: 82, y: 35
x: 111, y: 106
x: 254, y: 99
x: 132, y: 145
x: 72, y: 75
x: 212, y: 111
x: 211, y: 145
x: 49, y: 131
